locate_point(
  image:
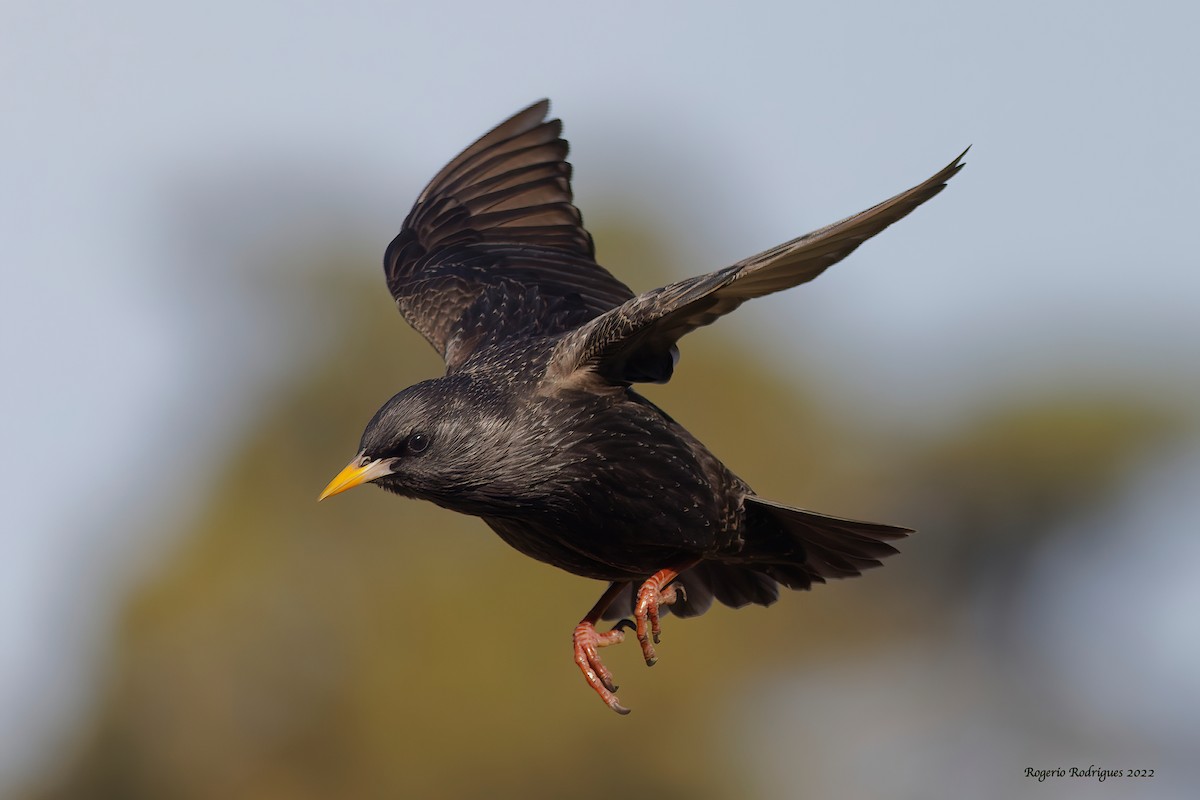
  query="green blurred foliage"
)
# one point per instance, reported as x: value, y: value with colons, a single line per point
x: 374, y: 647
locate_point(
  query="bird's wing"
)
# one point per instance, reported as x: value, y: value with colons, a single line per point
x: 494, y: 249
x: 622, y: 343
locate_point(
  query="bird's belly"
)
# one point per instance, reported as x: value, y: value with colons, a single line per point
x: 601, y: 560
x: 551, y: 548
x: 615, y: 537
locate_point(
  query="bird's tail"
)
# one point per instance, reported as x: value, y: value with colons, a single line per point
x: 783, y: 546
x: 799, y: 548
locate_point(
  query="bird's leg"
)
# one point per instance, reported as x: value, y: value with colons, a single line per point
x: 588, y: 641
x: 655, y: 592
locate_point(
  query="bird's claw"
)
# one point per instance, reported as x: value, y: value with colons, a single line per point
x: 645, y: 613
x: 655, y: 592
x: 587, y: 642
x: 625, y: 624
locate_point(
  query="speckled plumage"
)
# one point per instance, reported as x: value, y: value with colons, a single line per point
x: 535, y: 427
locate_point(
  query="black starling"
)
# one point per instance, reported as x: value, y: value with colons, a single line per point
x: 535, y: 426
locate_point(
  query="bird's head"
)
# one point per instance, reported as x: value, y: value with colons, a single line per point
x: 424, y: 442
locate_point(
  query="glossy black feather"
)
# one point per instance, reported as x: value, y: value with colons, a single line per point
x: 495, y: 241
x: 645, y: 328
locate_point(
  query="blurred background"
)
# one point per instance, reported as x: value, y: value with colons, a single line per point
x: 196, y: 199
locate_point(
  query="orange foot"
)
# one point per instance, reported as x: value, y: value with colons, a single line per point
x: 655, y: 592
x: 658, y: 591
x: 587, y: 642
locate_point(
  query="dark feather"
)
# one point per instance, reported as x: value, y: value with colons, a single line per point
x: 799, y: 548
x: 732, y: 585
x: 645, y: 328
x: 495, y: 238
x: 781, y: 545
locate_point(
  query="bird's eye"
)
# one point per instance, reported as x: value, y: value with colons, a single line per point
x: 417, y: 443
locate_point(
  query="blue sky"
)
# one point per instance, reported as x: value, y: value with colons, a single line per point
x: 1066, y: 248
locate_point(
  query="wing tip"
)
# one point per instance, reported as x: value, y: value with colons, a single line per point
x: 538, y: 110
x: 951, y: 169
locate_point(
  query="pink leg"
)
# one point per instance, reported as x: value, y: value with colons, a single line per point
x: 655, y: 592
x: 588, y: 641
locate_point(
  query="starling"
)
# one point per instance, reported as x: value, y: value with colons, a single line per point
x: 535, y: 426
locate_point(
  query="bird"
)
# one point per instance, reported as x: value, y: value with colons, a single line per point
x: 536, y: 426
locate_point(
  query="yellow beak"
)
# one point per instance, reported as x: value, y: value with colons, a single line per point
x: 356, y: 473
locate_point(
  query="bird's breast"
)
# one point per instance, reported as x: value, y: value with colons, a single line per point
x: 607, y: 488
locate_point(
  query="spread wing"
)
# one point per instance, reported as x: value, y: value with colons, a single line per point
x: 619, y: 343
x: 494, y: 249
